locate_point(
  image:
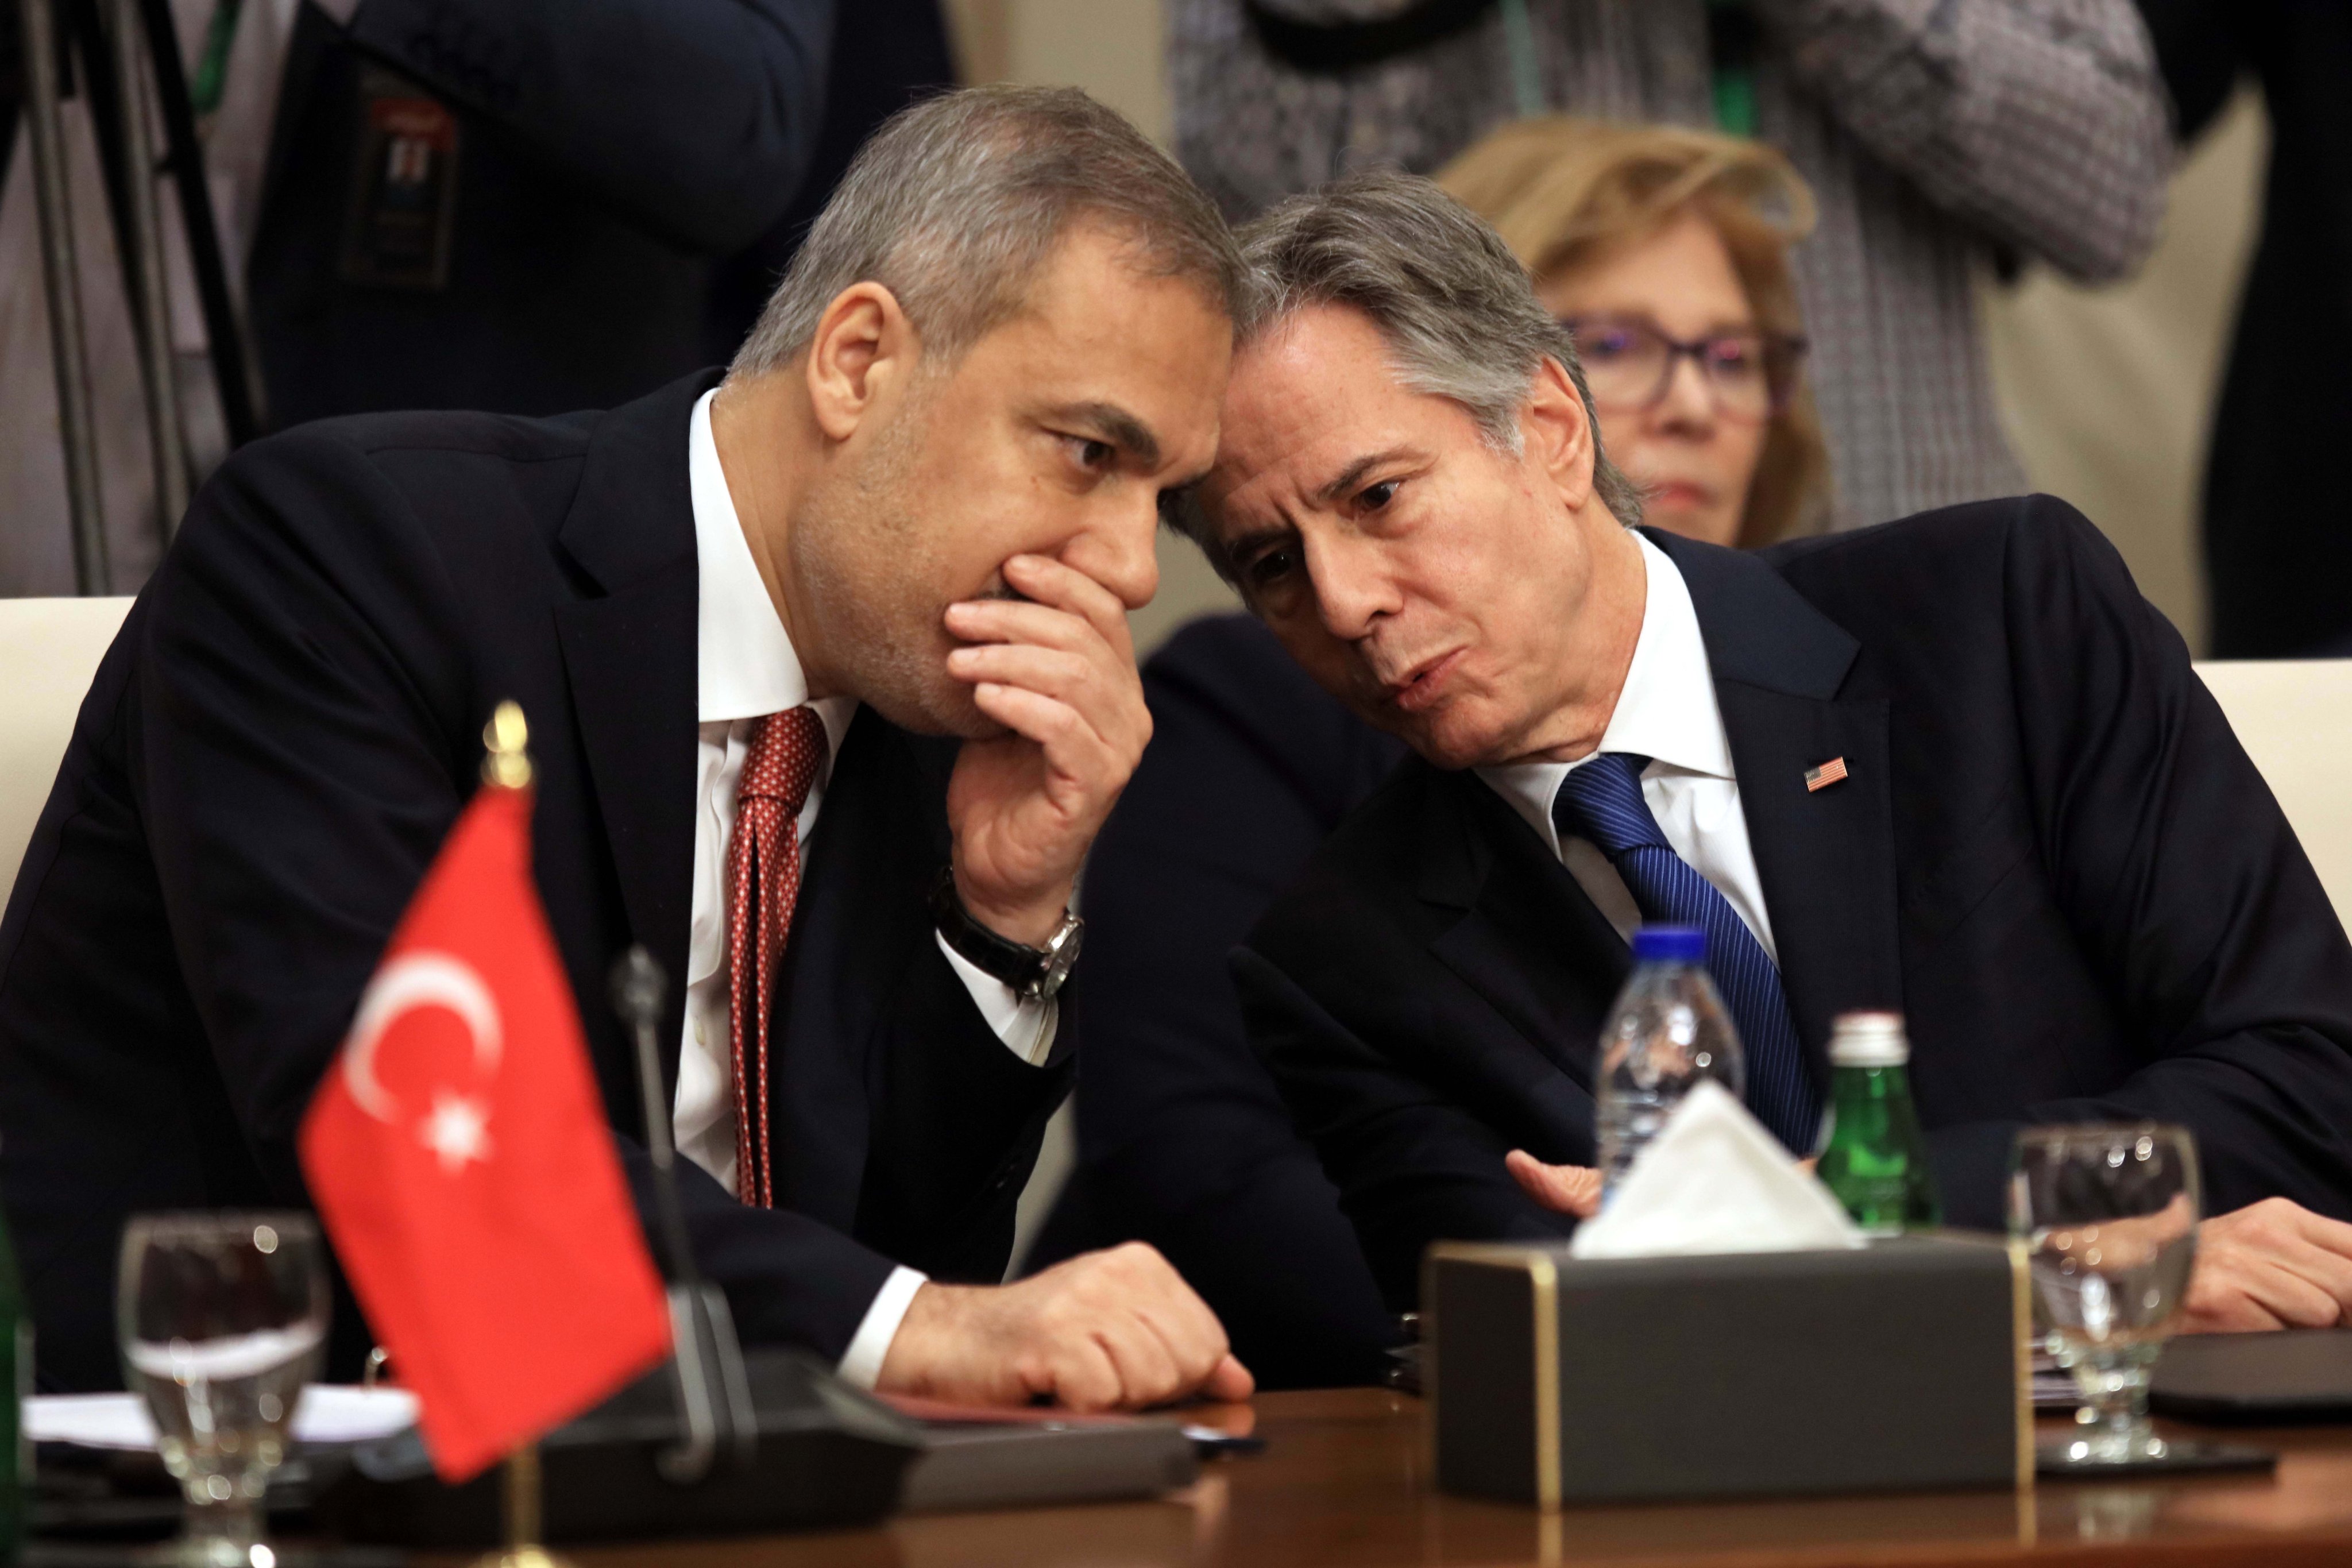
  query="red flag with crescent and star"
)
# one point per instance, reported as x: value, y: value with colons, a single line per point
x: 459, y: 1156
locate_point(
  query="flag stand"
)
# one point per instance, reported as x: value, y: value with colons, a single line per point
x: 507, y: 765
x: 522, y: 1517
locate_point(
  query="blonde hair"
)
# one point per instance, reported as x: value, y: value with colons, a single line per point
x: 1559, y: 190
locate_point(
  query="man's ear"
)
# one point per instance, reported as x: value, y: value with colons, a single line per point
x: 1558, y: 432
x: 863, y: 347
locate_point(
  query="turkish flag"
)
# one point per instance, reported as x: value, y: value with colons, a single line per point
x: 459, y: 1156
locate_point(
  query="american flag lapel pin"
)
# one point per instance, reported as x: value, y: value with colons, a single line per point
x: 1827, y: 773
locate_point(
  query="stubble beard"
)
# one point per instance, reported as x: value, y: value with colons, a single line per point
x: 869, y: 566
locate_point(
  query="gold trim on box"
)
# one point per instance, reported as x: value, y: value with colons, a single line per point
x: 2021, y: 1296
x: 1543, y: 1281
x: 1543, y: 1292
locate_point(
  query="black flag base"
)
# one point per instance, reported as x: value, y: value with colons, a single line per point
x: 828, y: 1455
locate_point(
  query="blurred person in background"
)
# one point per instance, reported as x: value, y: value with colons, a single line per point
x: 1941, y: 141
x: 509, y: 205
x: 885, y: 55
x: 2278, y: 537
x: 1669, y: 247
x: 1666, y: 252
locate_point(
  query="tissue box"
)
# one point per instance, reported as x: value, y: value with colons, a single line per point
x: 1904, y: 1365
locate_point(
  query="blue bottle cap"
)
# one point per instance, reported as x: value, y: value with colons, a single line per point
x: 1669, y: 944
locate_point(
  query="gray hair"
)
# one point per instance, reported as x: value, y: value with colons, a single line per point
x: 956, y: 202
x: 1458, y: 312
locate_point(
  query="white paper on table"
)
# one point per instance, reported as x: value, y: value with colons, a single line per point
x: 1714, y: 1181
x: 330, y: 1413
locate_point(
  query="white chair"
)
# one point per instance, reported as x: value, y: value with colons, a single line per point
x: 2295, y: 719
x: 50, y: 648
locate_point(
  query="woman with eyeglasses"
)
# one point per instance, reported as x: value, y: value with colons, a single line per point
x: 1665, y: 250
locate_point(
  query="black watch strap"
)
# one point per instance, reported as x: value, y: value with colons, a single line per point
x: 1035, y: 972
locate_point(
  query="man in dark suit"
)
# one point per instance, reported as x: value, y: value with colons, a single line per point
x: 1954, y: 765
x: 746, y: 622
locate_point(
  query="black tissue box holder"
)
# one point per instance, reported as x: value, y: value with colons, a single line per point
x: 1904, y: 1365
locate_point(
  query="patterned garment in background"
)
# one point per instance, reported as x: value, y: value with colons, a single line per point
x: 1938, y: 135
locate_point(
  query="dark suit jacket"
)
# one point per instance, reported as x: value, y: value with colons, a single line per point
x: 887, y: 54
x: 2050, y: 854
x: 1182, y: 1139
x: 611, y: 154
x: 266, y: 763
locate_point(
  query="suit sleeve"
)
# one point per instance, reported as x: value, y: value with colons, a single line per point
x: 2184, y: 884
x: 1411, y: 1165
x: 2044, y: 123
x: 1183, y: 1139
x: 958, y: 1123
x: 306, y: 733
x: 697, y: 118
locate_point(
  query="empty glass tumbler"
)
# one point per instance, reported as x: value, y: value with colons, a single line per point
x: 223, y: 1321
x: 2108, y: 1217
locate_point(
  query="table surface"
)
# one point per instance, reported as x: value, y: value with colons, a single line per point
x: 1344, y: 1480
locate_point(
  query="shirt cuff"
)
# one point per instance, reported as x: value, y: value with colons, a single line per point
x: 861, y: 1363
x: 1026, y: 1027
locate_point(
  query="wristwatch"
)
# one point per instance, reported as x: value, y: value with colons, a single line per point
x: 1035, y: 973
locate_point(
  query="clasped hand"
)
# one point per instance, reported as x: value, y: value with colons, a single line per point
x: 1103, y: 1331
x: 1057, y: 671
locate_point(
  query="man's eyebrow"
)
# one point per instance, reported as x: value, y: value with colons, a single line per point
x: 1353, y: 474
x: 1242, y: 546
x: 1114, y: 425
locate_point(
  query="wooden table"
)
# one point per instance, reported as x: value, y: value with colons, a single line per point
x: 1344, y: 1480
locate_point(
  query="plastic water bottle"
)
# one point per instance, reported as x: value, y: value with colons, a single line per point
x: 1668, y: 1031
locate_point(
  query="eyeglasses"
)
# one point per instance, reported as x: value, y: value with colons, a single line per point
x: 1629, y: 364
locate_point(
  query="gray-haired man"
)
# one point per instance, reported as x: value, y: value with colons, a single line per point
x: 737, y: 616
x: 1954, y: 764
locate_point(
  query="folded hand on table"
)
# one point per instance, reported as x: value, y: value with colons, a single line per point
x: 1116, y: 1330
x: 2271, y: 1265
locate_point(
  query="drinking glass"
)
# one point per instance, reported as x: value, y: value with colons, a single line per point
x: 2108, y: 1218
x: 223, y: 1320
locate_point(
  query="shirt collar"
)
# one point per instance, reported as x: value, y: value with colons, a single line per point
x: 1666, y: 709
x: 744, y: 661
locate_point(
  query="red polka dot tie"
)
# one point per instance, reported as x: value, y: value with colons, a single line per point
x: 763, y: 883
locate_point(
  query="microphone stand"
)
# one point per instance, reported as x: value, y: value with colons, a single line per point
x: 714, y: 1394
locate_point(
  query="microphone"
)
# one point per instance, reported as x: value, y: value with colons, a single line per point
x: 714, y: 1394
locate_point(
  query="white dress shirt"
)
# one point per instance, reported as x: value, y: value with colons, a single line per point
x: 745, y: 669
x: 1666, y: 712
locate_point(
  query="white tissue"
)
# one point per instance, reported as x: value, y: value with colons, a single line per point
x: 1714, y: 1181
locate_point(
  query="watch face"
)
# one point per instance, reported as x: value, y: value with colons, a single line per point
x: 1066, y: 955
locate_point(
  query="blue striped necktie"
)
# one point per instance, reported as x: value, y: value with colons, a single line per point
x: 1601, y: 801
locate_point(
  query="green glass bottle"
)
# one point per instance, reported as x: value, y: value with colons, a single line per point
x: 15, y: 1385
x: 1874, y: 1158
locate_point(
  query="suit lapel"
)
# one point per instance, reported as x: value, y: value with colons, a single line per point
x: 1528, y: 939
x: 1826, y: 857
x: 865, y: 877
x: 629, y: 652
x: 1783, y: 679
